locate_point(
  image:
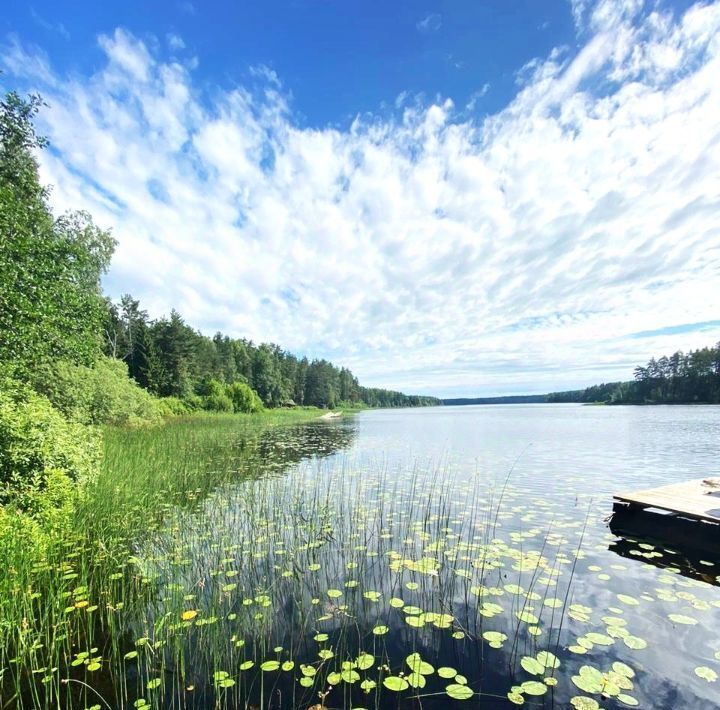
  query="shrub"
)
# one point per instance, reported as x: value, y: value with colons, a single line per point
x: 102, y: 394
x: 244, y: 398
x: 41, y: 454
x: 173, y: 407
x: 193, y: 402
x: 215, y: 398
x: 236, y: 397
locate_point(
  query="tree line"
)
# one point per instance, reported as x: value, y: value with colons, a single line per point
x: 681, y: 378
x: 171, y: 359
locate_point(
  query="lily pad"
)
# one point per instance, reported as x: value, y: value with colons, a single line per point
x: 706, y: 673
x: 459, y: 692
x: 395, y: 683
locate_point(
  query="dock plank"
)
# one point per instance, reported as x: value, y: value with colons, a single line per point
x: 690, y: 498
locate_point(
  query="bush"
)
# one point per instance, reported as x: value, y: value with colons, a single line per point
x: 218, y: 403
x: 236, y: 397
x: 244, y: 398
x: 193, y: 402
x: 173, y: 407
x: 215, y: 399
x: 102, y: 394
x: 41, y: 454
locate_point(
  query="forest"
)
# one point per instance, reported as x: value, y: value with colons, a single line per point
x: 681, y: 378
x: 171, y: 359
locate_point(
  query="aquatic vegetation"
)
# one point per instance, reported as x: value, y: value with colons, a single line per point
x: 217, y: 567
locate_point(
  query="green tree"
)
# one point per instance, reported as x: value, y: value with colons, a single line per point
x: 50, y: 300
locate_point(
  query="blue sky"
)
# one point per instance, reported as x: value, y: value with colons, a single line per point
x: 338, y: 58
x: 458, y: 198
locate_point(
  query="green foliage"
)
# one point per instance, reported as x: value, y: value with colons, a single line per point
x: 50, y: 304
x: 374, y: 397
x: 679, y: 379
x: 217, y: 400
x: 172, y: 407
x: 41, y: 453
x: 101, y: 394
x: 235, y: 397
x: 170, y: 358
x: 244, y: 398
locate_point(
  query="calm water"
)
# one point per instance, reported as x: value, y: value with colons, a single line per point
x: 509, y: 504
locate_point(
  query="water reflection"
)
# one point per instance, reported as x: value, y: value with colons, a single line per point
x: 688, y: 547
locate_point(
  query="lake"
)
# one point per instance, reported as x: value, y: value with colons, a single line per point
x: 438, y: 557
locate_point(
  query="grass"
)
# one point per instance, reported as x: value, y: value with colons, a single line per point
x: 205, y: 568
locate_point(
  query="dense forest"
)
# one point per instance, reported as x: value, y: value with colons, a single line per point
x: 681, y: 378
x: 509, y: 399
x: 171, y: 359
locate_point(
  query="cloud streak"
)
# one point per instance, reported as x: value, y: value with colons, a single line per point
x: 430, y: 23
x: 428, y: 251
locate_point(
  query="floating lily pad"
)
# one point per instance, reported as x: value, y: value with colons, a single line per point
x: 446, y: 672
x: 532, y: 665
x: 534, y: 687
x: 365, y: 661
x: 682, y: 619
x: 635, y: 642
x: 459, y: 692
x: 626, y: 599
x: 548, y: 660
x: 581, y: 702
x: 628, y: 700
x: 527, y: 616
x: 417, y: 665
x: 623, y: 669
x: 706, y: 673
x: 395, y: 683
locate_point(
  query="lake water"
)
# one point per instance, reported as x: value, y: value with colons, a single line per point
x: 476, y: 537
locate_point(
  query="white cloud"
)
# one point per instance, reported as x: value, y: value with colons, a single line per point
x: 430, y: 23
x: 429, y: 252
x: 476, y: 96
x: 175, y: 42
x: 127, y: 53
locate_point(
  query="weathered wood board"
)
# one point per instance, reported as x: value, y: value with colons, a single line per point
x: 693, y: 499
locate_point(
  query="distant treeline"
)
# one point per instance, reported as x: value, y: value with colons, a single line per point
x: 171, y: 359
x: 597, y: 393
x: 512, y: 399
x: 681, y: 378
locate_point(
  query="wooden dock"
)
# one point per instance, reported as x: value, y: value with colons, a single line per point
x: 698, y: 499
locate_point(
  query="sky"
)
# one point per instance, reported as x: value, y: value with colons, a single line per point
x: 460, y: 198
